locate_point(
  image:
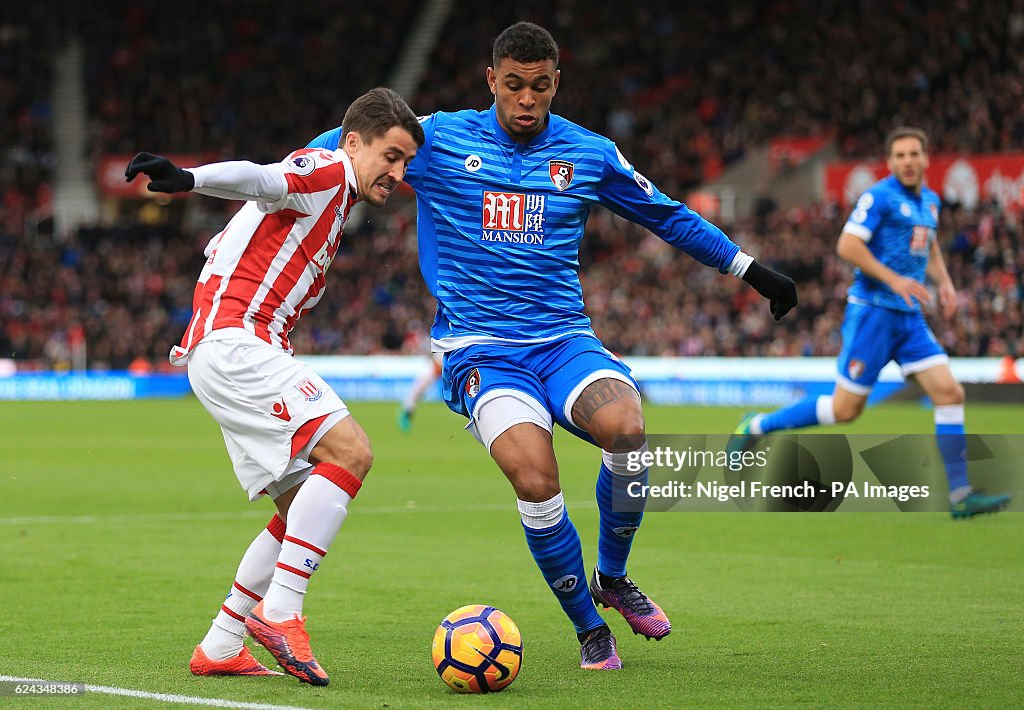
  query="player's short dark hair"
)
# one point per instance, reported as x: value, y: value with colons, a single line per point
x: 378, y: 111
x: 905, y: 132
x: 525, y: 42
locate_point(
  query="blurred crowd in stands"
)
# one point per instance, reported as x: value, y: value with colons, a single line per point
x: 250, y: 80
x: 684, y: 88
x: 26, y: 133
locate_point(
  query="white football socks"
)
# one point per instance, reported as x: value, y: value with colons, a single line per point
x: 314, y: 518
x: 224, y: 639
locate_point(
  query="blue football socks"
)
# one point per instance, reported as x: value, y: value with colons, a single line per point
x: 558, y: 554
x: 796, y: 416
x: 618, y: 524
x: 952, y: 440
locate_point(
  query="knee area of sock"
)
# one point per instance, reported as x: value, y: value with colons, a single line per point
x: 541, y: 514
x: 626, y: 464
x: 339, y: 476
x: 952, y: 414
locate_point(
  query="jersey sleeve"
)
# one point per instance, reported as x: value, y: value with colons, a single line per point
x: 239, y: 180
x: 307, y: 172
x: 629, y: 194
x: 867, y: 214
x: 418, y: 165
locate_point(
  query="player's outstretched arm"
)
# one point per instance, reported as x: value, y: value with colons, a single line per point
x: 164, y: 175
x: 231, y: 180
x: 778, y: 288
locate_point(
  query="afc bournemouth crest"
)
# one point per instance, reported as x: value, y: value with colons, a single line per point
x: 473, y: 383
x: 856, y: 369
x: 560, y: 172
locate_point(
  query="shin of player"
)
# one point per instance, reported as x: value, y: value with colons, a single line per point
x: 516, y: 428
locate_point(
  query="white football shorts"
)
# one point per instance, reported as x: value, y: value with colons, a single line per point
x: 271, y: 408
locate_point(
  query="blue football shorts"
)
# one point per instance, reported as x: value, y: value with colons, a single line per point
x: 872, y: 336
x: 553, y: 373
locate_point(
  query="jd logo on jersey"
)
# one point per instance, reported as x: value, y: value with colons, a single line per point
x: 560, y: 172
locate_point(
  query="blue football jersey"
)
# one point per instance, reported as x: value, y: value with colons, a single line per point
x: 899, y: 228
x: 500, y: 223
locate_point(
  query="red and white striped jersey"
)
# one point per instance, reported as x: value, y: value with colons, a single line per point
x: 267, y: 266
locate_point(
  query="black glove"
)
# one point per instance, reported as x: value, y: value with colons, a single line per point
x: 165, y: 175
x: 778, y: 288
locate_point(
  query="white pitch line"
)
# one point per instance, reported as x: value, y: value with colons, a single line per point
x: 160, y: 697
x: 186, y: 517
x: 127, y: 518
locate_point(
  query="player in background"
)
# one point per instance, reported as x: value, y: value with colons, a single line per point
x: 419, y: 389
x: 287, y: 433
x: 503, y: 197
x: 891, y: 240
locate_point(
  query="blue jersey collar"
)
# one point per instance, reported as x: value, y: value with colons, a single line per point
x: 505, y: 138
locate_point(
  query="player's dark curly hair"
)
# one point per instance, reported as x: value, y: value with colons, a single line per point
x: 378, y: 111
x: 525, y: 42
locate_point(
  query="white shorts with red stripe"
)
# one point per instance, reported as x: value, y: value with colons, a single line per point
x: 271, y: 408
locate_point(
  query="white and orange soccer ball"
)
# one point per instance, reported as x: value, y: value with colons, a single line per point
x: 477, y: 649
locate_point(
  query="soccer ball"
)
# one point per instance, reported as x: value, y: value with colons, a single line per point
x: 477, y: 649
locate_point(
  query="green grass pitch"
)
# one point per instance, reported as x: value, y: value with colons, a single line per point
x: 121, y: 527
